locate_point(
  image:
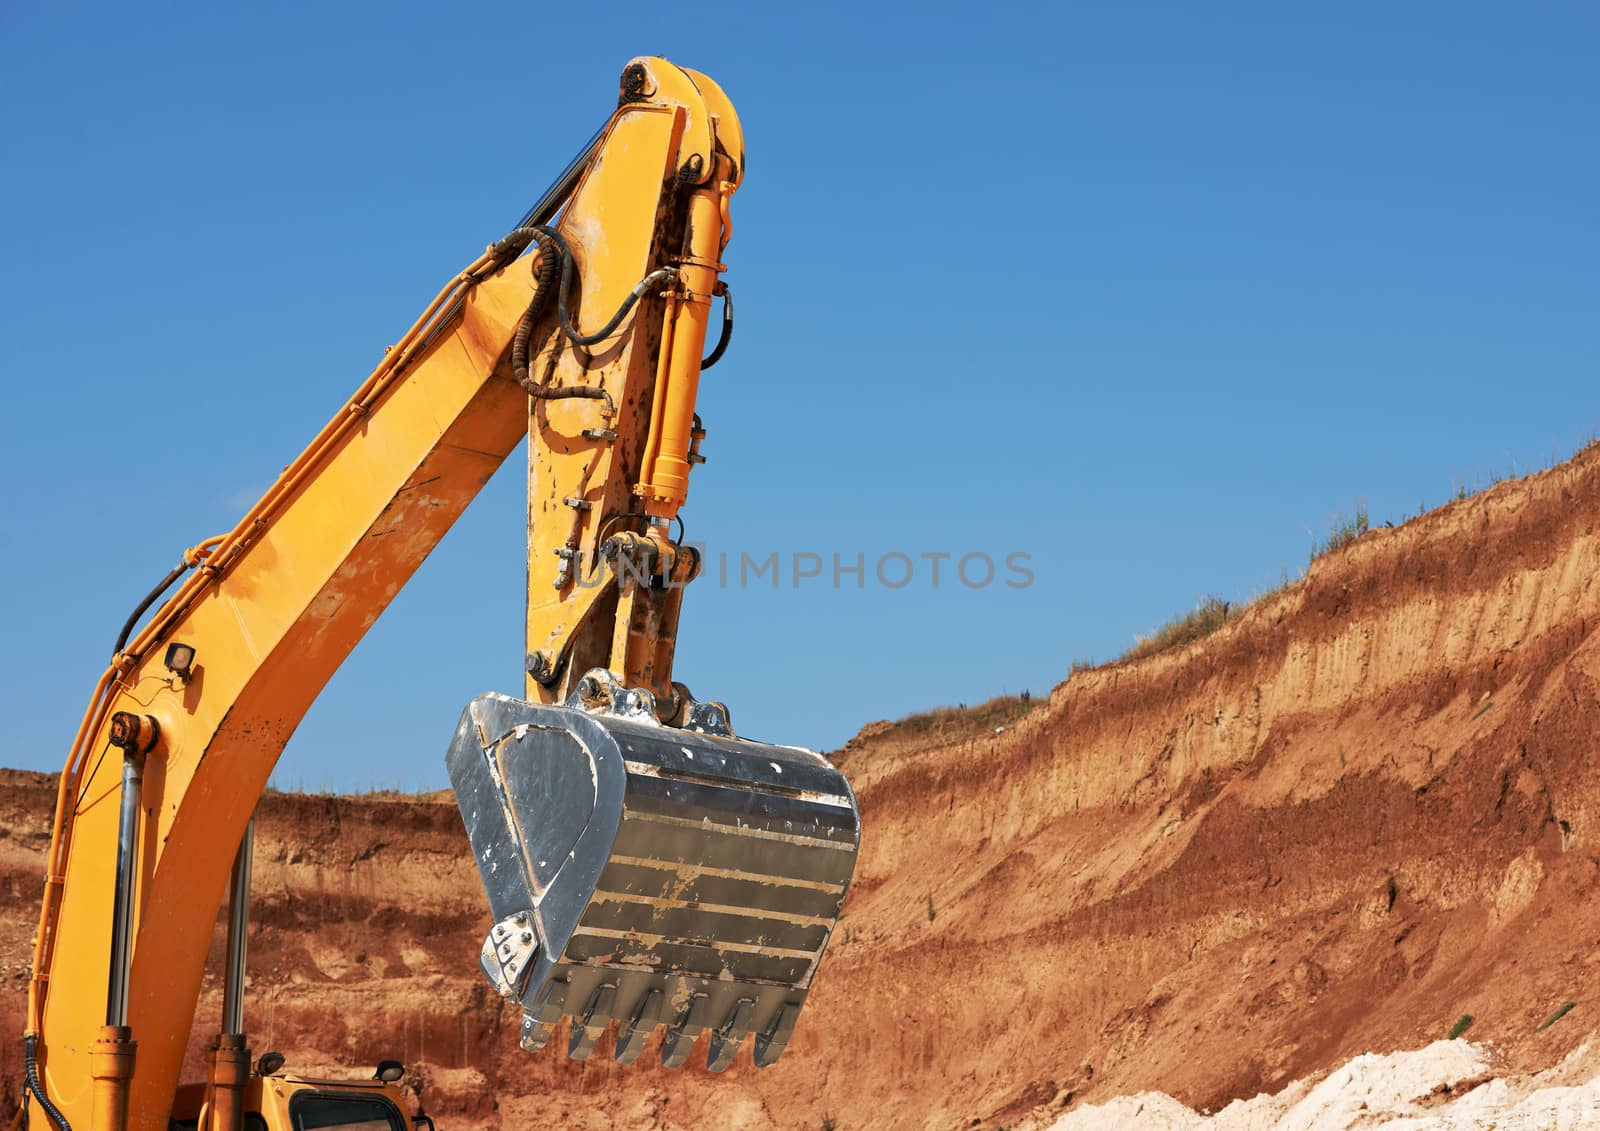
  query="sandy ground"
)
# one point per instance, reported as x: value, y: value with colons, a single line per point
x: 1365, y: 808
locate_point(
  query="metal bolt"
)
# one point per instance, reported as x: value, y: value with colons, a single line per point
x: 527, y: 936
x: 520, y: 918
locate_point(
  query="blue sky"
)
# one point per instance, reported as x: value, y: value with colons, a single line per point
x: 1151, y: 293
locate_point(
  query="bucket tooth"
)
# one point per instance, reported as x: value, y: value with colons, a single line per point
x: 725, y: 1039
x: 539, y: 1022
x: 769, y: 1045
x: 552, y: 1002
x: 680, y: 1036
x: 596, y: 1015
x: 634, y: 1033
x: 535, y: 1033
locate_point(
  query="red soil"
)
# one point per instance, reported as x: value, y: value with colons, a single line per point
x: 1367, y: 806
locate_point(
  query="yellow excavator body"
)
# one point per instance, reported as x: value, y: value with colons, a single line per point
x: 644, y: 865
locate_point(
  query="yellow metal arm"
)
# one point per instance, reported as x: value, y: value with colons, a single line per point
x: 614, y: 500
x: 217, y: 681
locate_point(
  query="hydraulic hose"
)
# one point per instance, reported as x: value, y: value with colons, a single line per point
x: 550, y: 259
x: 660, y: 275
x: 30, y: 1079
x: 556, y: 195
x: 726, y: 334
x: 569, y: 392
x: 546, y: 235
x: 151, y: 598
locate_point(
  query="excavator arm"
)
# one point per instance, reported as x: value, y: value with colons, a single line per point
x: 584, y: 329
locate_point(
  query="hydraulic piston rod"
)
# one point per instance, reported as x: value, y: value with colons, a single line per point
x: 112, y: 1057
x: 238, y: 933
x: 134, y: 735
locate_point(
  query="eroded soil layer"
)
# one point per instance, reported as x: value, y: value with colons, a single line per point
x: 1367, y: 807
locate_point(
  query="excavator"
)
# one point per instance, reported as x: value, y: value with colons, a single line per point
x: 646, y: 868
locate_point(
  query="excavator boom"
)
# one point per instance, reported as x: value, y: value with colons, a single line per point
x: 642, y: 862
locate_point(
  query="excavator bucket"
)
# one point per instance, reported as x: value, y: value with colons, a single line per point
x: 651, y: 875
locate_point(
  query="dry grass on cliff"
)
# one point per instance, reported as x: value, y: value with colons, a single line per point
x: 1213, y: 612
x: 960, y: 720
x: 1198, y: 623
x: 1206, y: 617
x: 1343, y: 532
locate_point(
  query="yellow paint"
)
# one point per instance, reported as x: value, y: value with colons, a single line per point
x: 270, y: 1096
x: 275, y: 606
